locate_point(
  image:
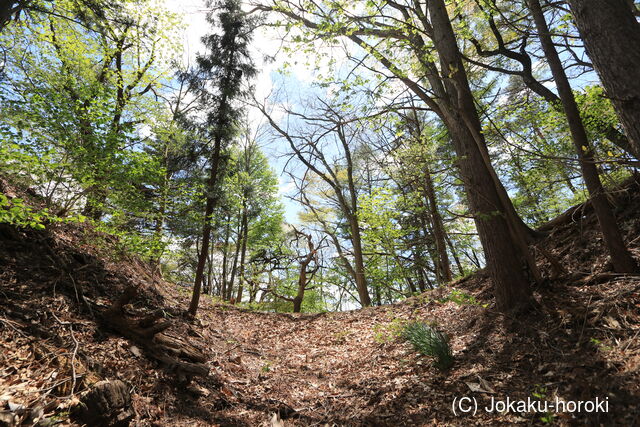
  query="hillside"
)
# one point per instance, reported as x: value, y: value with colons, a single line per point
x: 60, y: 288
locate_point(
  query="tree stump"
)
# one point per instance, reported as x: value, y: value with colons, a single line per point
x: 107, y: 403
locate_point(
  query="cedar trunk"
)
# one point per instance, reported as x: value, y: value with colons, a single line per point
x: 611, y: 35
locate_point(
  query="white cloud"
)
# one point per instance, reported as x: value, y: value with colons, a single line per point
x: 286, y: 187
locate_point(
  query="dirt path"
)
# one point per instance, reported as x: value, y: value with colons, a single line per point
x: 343, y: 368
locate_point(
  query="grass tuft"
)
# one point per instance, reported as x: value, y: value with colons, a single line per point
x: 429, y: 341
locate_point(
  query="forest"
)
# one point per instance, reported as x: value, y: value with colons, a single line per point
x: 319, y: 212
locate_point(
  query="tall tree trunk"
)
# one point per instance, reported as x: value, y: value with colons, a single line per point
x: 430, y: 247
x: 505, y: 251
x: 225, y: 258
x: 358, y: 261
x: 354, y: 224
x: 377, y: 295
x: 420, y: 265
x: 611, y: 35
x: 245, y: 226
x: 251, y: 288
x: 206, y: 228
x: 236, y: 256
x: 209, y: 287
x: 455, y: 256
x: 620, y: 257
x: 444, y: 266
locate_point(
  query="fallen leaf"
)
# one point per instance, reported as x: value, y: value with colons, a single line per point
x: 136, y: 351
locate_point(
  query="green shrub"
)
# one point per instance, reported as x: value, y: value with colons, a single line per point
x: 429, y: 341
x: 147, y: 247
x: 386, y: 333
x: 17, y: 212
x: 461, y: 298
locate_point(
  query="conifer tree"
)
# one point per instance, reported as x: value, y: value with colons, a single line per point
x: 221, y: 72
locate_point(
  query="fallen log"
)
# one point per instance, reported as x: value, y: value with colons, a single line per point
x: 576, y: 212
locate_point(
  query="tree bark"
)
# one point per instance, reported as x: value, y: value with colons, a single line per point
x: 456, y: 258
x: 358, y: 261
x: 506, y: 257
x: 620, y: 257
x: 7, y: 10
x: 147, y: 332
x: 611, y: 35
x: 243, y: 252
x: 352, y: 215
x: 234, y: 267
x: 225, y: 259
x: 439, y: 232
x: 417, y: 255
x: 206, y: 228
x: 303, y: 281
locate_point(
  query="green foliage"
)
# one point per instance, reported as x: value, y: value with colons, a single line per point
x: 254, y: 306
x: 461, y: 298
x: 429, y: 341
x: 388, y: 332
x: 82, y: 123
x: 540, y: 393
x: 16, y: 212
x: 73, y: 115
x: 600, y: 345
x: 121, y: 243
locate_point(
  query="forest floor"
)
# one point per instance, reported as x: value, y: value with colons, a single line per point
x: 348, y: 368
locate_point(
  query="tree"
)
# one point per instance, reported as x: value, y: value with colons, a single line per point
x: 308, y: 266
x: 330, y: 127
x: 252, y: 193
x: 77, y: 94
x: 443, y: 266
x: 502, y: 232
x: 611, y: 35
x: 501, y: 40
x: 620, y: 257
x: 80, y: 10
x: 226, y: 65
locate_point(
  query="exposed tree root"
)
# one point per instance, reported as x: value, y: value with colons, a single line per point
x: 147, y: 333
